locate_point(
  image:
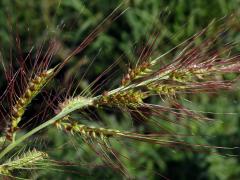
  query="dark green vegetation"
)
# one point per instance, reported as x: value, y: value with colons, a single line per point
x: 70, y: 21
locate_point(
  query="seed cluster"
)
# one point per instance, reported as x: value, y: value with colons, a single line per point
x: 33, y: 88
x: 165, y: 89
x: 130, y: 98
x: 30, y: 158
x: 188, y: 75
x: 103, y: 133
x: 136, y: 73
x: 86, y: 131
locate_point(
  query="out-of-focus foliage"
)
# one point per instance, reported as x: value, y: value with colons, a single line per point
x: 71, y: 20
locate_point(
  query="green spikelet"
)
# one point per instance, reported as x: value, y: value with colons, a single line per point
x: 166, y: 89
x: 136, y: 73
x: 86, y: 131
x: 25, y: 160
x: 130, y: 98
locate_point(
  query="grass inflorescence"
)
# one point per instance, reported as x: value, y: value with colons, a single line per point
x: 34, y: 87
x: 29, y: 159
x: 196, y: 68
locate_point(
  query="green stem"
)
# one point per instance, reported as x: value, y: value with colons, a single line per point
x: 25, y: 136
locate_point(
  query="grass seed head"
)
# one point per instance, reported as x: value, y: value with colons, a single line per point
x: 86, y: 131
x: 166, y: 89
x: 135, y: 73
x: 34, y: 87
x: 26, y: 160
x: 130, y: 98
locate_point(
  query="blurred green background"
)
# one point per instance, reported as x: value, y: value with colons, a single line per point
x: 69, y: 21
